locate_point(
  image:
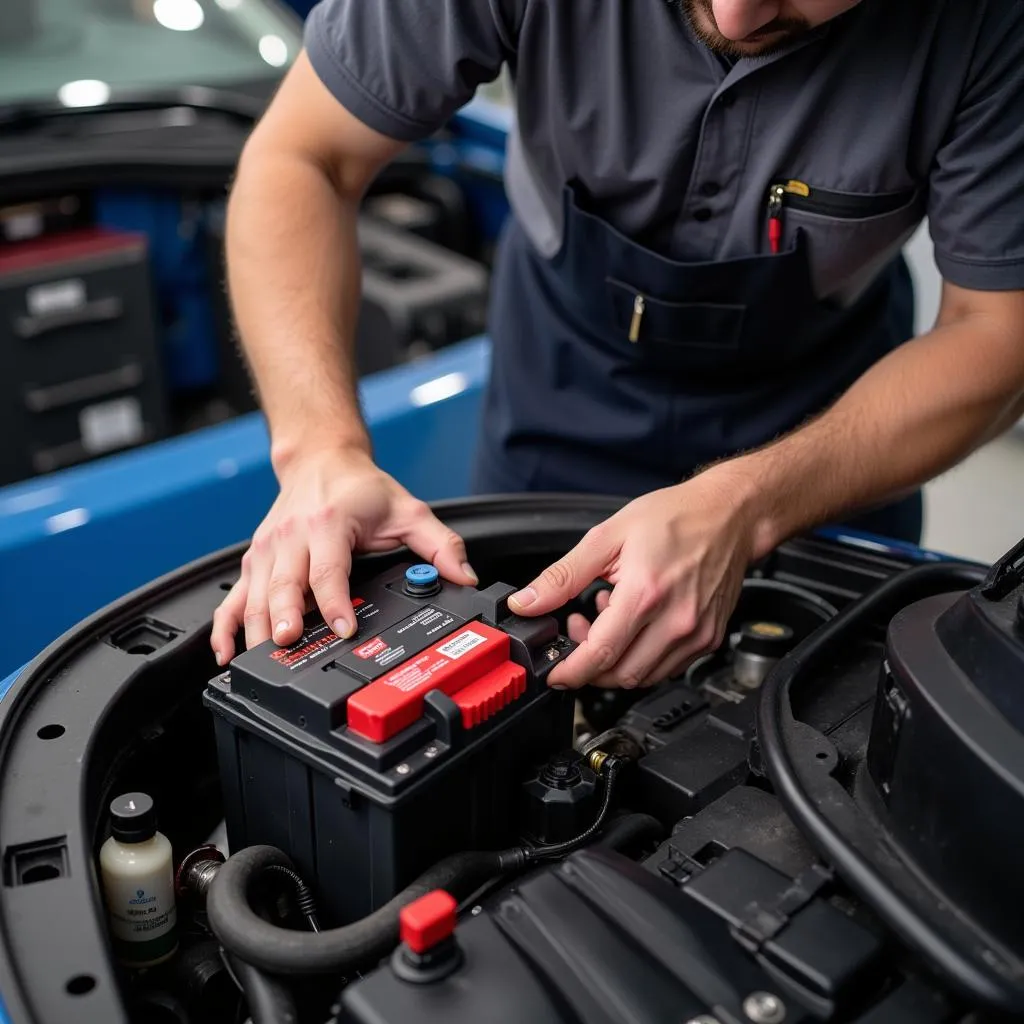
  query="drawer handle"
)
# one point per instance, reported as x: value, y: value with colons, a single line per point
x: 84, y: 389
x: 96, y: 312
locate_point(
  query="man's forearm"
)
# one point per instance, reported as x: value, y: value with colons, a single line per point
x: 293, y: 274
x: 914, y: 414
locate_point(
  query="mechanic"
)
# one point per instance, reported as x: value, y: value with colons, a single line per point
x: 699, y: 302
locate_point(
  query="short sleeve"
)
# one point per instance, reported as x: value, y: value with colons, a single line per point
x: 403, y: 67
x: 976, y: 205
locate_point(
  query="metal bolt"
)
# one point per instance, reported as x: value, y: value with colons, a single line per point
x: 477, y: 910
x: 402, y: 769
x: 431, y: 751
x: 552, y: 653
x: 764, y: 1008
x: 704, y: 1018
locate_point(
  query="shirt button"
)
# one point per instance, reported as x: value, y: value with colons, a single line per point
x: 710, y: 189
x: 702, y: 214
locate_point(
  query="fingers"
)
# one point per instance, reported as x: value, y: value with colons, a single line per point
x: 330, y: 562
x: 652, y: 653
x: 569, y: 576
x: 673, y: 665
x: 257, y: 608
x: 579, y: 625
x: 286, y: 592
x: 611, y: 635
x: 227, y: 621
x: 440, y: 545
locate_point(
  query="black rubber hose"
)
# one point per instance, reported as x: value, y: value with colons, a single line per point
x: 247, y: 936
x: 268, y: 999
x: 631, y: 829
x: 303, y: 895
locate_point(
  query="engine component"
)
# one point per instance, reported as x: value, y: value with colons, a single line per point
x: 196, y: 871
x: 561, y: 799
x: 207, y: 991
x: 748, y: 819
x: 428, y: 951
x: 371, y: 759
x: 947, y: 745
x: 770, y: 618
x: 599, y: 932
x: 282, y: 951
x: 758, y: 647
x: 927, y: 863
x: 269, y: 1000
x: 786, y: 923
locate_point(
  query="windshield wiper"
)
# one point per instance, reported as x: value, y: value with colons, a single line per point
x: 192, y: 97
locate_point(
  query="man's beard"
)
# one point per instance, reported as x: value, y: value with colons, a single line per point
x: 777, y: 34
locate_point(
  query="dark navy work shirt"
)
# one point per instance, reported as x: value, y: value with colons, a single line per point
x: 889, y: 113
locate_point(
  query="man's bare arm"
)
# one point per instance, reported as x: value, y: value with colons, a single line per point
x: 913, y: 415
x: 293, y: 262
x: 294, y: 280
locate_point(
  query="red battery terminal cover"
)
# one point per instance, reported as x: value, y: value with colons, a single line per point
x: 428, y: 921
x: 471, y: 666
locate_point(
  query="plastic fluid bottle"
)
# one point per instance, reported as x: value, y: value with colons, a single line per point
x: 138, y: 881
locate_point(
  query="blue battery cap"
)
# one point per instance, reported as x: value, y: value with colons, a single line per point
x: 421, y: 575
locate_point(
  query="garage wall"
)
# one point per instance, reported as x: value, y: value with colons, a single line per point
x: 977, y: 509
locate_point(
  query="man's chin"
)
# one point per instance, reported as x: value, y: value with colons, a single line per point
x: 707, y: 31
x: 752, y: 48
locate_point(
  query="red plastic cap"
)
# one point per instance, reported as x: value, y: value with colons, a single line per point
x: 487, y: 696
x: 427, y: 921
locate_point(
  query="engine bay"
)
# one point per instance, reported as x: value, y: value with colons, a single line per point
x: 818, y: 822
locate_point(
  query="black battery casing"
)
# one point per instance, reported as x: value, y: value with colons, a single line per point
x: 359, y: 819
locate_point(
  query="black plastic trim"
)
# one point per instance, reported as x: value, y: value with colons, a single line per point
x: 843, y: 835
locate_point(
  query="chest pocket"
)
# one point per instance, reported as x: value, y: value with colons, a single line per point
x: 851, y: 236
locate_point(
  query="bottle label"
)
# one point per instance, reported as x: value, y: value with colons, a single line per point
x: 143, y: 918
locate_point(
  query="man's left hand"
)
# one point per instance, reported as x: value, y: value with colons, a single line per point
x: 676, y: 559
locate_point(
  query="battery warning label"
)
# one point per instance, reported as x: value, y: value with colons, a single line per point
x: 313, y: 643
x: 373, y: 656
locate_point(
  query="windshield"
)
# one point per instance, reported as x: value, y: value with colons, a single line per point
x: 76, y: 50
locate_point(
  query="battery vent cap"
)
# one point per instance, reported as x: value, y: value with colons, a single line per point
x: 428, y: 921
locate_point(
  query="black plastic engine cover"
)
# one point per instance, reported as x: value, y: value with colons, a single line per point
x: 585, y: 941
x: 600, y: 940
x: 947, y: 756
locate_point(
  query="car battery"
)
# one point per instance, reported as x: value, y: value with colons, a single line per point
x: 80, y: 372
x: 370, y: 759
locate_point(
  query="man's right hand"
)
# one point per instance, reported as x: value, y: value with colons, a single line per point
x: 330, y: 505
